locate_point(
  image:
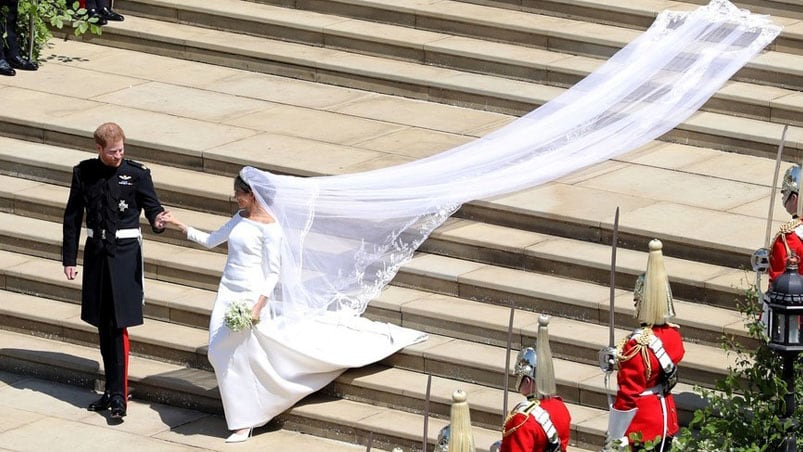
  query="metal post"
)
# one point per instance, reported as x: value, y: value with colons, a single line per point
x: 425, y: 436
x: 506, y: 384
x: 32, y: 33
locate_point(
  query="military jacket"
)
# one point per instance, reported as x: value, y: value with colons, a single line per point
x: 112, y: 199
x: 523, y: 433
x: 639, y: 374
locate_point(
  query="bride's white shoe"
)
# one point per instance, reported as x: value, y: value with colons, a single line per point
x: 240, y: 435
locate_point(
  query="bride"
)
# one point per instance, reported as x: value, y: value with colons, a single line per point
x: 264, y: 370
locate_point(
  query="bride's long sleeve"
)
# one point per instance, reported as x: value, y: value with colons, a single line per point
x: 215, y: 238
x: 271, y: 260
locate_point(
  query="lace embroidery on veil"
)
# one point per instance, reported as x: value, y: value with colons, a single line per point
x: 346, y: 236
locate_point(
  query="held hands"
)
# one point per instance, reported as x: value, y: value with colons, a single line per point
x: 168, y: 219
x: 159, y: 222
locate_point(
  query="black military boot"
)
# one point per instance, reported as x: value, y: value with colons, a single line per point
x: 5, y: 68
x: 17, y: 62
x: 118, y: 406
x: 110, y: 15
x: 102, y: 404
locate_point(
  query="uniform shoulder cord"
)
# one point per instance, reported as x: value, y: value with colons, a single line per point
x: 786, y: 228
x: 642, y: 338
x: 526, y: 411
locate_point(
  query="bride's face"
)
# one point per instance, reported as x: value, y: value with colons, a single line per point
x: 245, y: 201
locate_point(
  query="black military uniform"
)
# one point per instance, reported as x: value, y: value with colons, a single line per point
x: 112, y: 294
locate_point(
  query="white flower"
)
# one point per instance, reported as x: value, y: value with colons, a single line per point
x: 238, y: 316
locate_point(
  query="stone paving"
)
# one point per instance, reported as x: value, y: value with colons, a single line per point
x: 39, y: 415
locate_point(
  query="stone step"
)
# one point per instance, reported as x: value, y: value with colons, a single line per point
x: 459, y: 238
x: 734, y: 195
x: 395, y: 77
x: 523, y: 23
x: 475, y: 55
x: 640, y: 15
x: 413, y: 309
x: 479, y: 371
x: 345, y: 420
x: 580, y: 260
x: 454, y: 277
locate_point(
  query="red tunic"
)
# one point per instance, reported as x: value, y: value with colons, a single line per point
x: 778, y: 252
x: 529, y: 436
x: 633, y: 380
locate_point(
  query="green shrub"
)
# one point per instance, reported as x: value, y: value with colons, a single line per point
x: 48, y: 15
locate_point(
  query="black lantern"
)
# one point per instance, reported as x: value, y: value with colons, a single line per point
x: 785, y: 314
x: 785, y: 302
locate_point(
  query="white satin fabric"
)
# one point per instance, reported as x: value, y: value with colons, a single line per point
x: 263, y: 371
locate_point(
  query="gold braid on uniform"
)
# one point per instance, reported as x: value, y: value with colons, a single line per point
x: 506, y: 432
x: 786, y: 228
x: 641, y: 347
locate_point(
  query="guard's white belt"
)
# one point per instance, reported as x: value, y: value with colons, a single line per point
x: 131, y: 233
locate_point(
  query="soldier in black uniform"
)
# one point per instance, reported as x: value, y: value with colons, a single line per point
x: 113, y: 191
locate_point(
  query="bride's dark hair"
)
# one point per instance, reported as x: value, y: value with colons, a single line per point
x: 241, y: 185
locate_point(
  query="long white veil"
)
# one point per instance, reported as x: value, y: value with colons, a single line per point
x: 347, y: 235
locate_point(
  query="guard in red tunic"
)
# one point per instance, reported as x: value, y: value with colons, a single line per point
x: 790, y: 237
x: 541, y: 422
x: 644, y: 410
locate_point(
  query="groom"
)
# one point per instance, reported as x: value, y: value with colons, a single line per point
x: 113, y: 192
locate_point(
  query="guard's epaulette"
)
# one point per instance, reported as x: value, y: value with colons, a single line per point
x: 524, y: 408
x: 642, y: 338
x: 786, y: 228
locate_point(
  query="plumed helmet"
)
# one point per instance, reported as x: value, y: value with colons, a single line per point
x: 791, y: 180
x: 537, y: 363
x: 526, y: 362
x: 652, y: 294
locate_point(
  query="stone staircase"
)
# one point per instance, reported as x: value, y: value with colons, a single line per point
x: 328, y: 106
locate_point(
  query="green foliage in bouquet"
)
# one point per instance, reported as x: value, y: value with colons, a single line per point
x: 48, y: 15
x: 744, y: 411
x: 238, y: 316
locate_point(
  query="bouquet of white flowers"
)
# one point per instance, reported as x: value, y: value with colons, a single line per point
x: 238, y: 316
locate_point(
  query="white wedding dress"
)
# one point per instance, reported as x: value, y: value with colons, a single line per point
x: 263, y: 371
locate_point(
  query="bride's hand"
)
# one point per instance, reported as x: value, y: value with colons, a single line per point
x: 256, y: 311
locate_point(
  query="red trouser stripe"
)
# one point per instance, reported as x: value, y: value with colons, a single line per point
x: 126, y: 348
